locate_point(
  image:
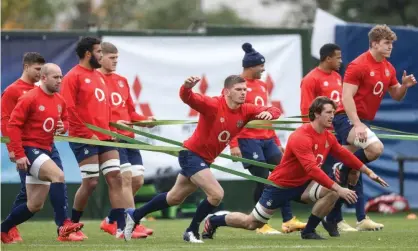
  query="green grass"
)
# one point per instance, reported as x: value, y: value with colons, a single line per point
x: 399, y: 234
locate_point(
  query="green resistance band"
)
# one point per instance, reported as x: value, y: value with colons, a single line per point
x: 177, y: 143
x: 220, y: 168
x: 133, y: 145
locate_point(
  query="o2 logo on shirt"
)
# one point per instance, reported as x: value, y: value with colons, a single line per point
x: 224, y: 136
x: 117, y: 99
x: 100, y: 95
x: 48, y: 124
x: 259, y: 101
x: 335, y: 96
x: 378, y: 89
x: 320, y: 159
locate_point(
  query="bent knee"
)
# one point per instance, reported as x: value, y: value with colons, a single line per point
x: 114, y: 179
x: 61, y: 177
x: 332, y: 195
x: 374, y: 151
x: 250, y: 224
x: 216, y: 197
x: 174, y: 199
x: 35, y: 207
x: 90, y: 183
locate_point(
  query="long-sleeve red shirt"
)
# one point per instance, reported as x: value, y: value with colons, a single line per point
x: 373, y: 80
x: 319, y: 83
x: 9, y: 99
x: 34, y: 120
x: 217, y: 124
x: 86, y: 95
x: 256, y: 94
x: 305, y: 152
x: 122, y: 105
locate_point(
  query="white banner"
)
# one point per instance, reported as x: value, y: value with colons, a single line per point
x: 156, y: 67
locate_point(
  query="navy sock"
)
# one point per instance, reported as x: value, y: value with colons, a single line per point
x: 287, y: 212
x: 111, y: 217
x: 218, y: 220
x: 335, y: 215
x: 76, y: 215
x: 157, y: 203
x: 361, y: 155
x: 361, y: 203
x: 57, y: 198
x: 119, y: 214
x: 21, y: 198
x: 19, y: 215
x: 313, y: 222
x: 202, y: 211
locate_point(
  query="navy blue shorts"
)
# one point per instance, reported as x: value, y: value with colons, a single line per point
x: 131, y: 160
x: 274, y: 197
x: 342, y: 126
x: 37, y: 157
x: 191, y: 163
x: 262, y: 150
x: 84, y: 151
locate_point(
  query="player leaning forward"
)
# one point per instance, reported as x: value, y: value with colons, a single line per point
x: 299, y: 176
x: 221, y: 118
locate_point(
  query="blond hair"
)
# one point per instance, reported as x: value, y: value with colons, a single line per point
x: 380, y: 32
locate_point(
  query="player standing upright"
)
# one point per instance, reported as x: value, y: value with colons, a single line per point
x: 87, y: 97
x: 299, y: 176
x: 38, y: 115
x: 260, y: 144
x: 324, y: 80
x: 123, y: 112
x: 221, y: 118
x: 366, y: 81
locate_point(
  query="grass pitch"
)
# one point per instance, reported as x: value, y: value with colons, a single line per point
x: 398, y: 234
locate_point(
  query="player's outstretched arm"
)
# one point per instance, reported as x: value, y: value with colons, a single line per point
x: 398, y: 91
x: 201, y: 103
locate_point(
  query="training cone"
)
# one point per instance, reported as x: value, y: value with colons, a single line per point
x: 411, y: 217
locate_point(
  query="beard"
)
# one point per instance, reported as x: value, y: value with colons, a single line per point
x: 94, y: 62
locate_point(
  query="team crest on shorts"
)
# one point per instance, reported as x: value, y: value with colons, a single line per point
x: 240, y: 123
x: 41, y: 108
x: 387, y: 72
x: 269, y: 203
x: 35, y: 151
x: 255, y: 155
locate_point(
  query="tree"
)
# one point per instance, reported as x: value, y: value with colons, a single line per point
x: 391, y: 12
x: 29, y: 14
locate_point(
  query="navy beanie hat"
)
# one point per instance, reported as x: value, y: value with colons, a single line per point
x: 251, y: 57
